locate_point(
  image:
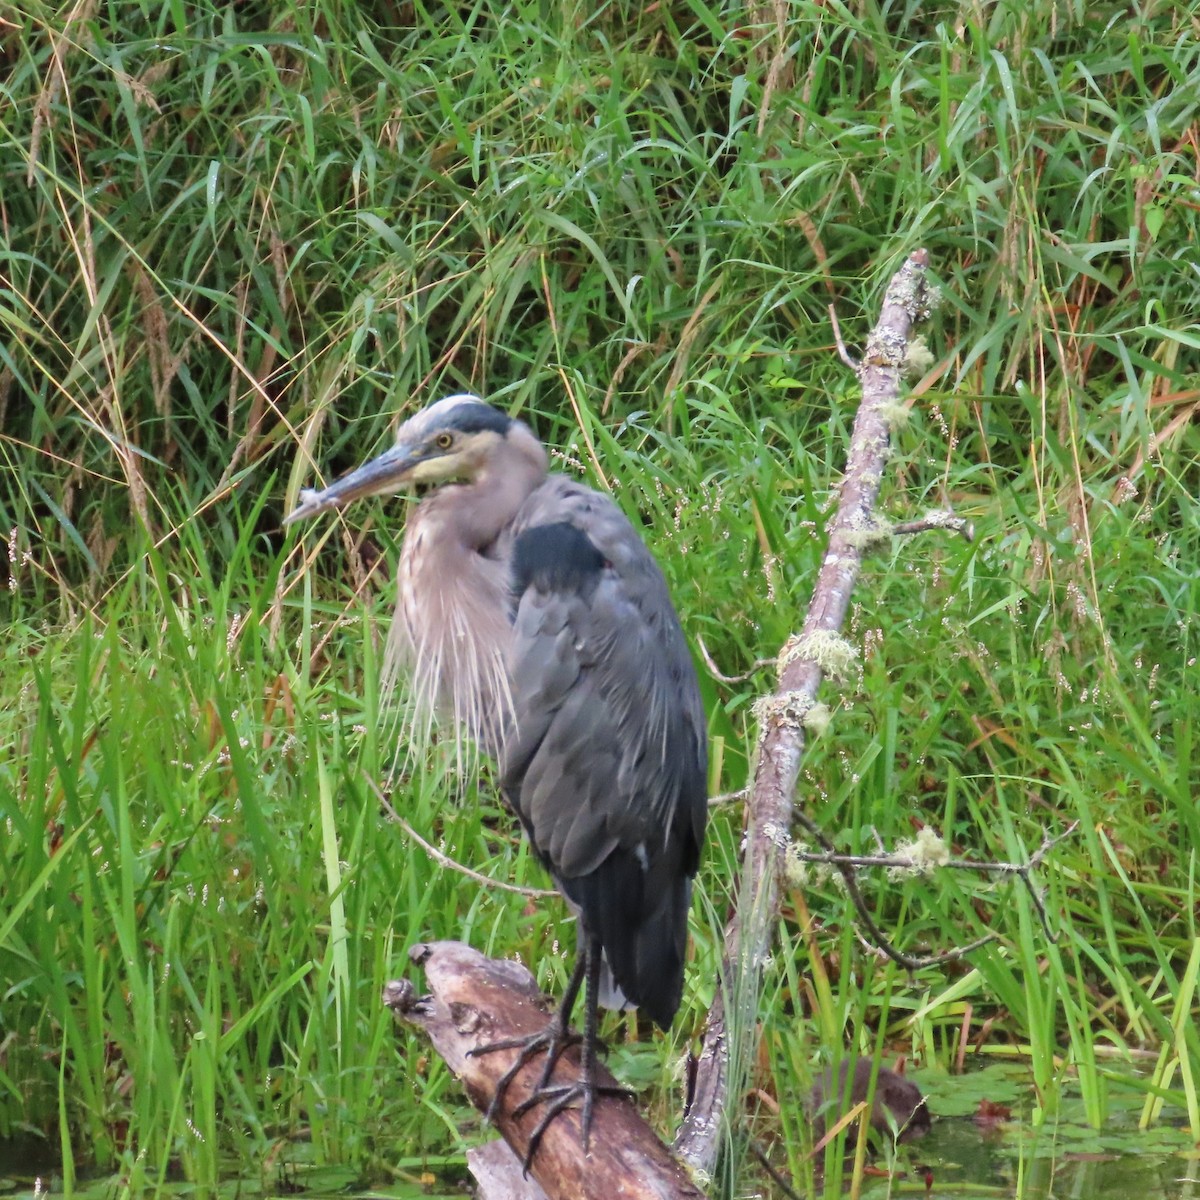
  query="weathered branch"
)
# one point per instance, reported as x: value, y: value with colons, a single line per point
x: 444, y: 860
x: 499, y: 1174
x: 804, y: 664
x: 719, y: 675
x: 881, y: 943
x: 475, y: 1001
x: 848, y: 864
x: 938, y: 519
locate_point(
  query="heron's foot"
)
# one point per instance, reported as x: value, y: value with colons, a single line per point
x: 558, y: 1100
x: 553, y: 1040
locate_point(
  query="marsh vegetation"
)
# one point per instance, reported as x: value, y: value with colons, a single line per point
x: 239, y: 240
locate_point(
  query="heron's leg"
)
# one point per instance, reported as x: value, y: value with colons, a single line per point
x: 554, y: 1039
x: 585, y: 1089
x: 561, y: 1035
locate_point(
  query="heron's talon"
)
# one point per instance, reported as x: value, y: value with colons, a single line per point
x: 553, y: 1041
x: 571, y: 1091
x: 560, y: 1099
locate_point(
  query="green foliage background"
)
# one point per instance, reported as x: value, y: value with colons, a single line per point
x: 239, y: 240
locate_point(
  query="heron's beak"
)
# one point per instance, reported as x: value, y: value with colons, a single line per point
x: 387, y: 473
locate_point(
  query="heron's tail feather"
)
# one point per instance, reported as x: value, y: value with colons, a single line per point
x: 641, y: 919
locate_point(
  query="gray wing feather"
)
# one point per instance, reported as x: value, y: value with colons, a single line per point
x: 605, y: 686
x: 607, y: 766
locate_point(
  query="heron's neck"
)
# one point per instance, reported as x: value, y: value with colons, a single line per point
x: 477, y: 512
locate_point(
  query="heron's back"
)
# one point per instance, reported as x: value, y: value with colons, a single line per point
x: 607, y: 768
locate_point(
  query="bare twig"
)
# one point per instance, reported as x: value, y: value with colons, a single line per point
x: 847, y: 865
x: 445, y: 860
x: 769, y: 811
x: 939, y: 519
x: 843, y: 353
x: 911, y: 962
x: 881, y: 946
x: 718, y: 675
x: 781, y: 1181
x: 727, y: 798
x: 903, y: 862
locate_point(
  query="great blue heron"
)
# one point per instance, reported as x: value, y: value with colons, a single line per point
x: 530, y: 609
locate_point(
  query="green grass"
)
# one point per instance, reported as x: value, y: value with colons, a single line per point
x: 239, y: 240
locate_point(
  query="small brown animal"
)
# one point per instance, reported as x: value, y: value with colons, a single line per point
x: 898, y: 1104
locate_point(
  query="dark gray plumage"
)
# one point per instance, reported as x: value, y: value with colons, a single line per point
x: 607, y: 766
x: 532, y: 612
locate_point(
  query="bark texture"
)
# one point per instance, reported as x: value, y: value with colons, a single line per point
x: 816, y: 652
x: 476, y: 1000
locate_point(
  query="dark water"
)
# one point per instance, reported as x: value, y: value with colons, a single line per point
x: 1020, y: 1161
x: 26, y: 1159
x: 1003, y: 1154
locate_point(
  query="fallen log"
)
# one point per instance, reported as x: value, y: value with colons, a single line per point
x: 499, y: 1173
x: 474, y: 1001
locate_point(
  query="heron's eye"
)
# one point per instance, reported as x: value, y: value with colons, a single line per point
x: 444, y: 441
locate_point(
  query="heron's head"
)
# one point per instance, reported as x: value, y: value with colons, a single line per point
x: 453, y: 439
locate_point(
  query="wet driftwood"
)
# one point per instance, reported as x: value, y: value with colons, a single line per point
x: 475, y: 1000
x: 499, y: 1175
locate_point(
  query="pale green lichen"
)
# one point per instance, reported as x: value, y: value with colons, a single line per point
x: 782, y: 708
x: 868, y: 533
x: 798, y: 872
x: 830, y: 651
x: 939, y: 518
x: 794, y: 709
x: 925, y: 854
x: 894, y: 414
x: 788, y: 654
x: 910, y: 289
x: 917, y: 358
x: 885, y: 348
x: 795, y: 869
x: 817, y: 719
